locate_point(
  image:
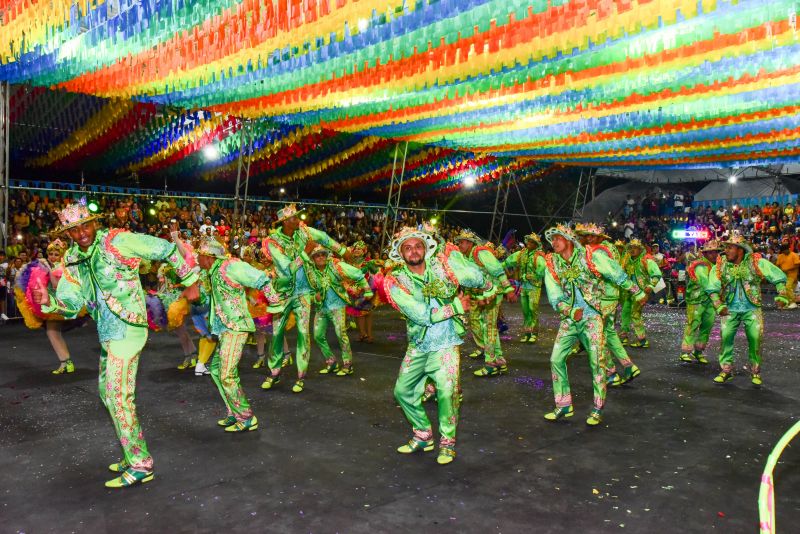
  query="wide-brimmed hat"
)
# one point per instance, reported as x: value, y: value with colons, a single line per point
x: 319, y: 249
x: 468, y: 235
x: 211, y: 247
x: 75, y: 214
x: 635, y: 243
x: 359, y: 245
x: 57, y: 246
x: 564, y: 231
x: 534, y: 237
x: 406, y: 233
x: 711, y: 246
x: 591, y: 229
x: 740, y: 242
x: 288, y: 212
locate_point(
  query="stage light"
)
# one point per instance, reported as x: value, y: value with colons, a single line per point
x: 434, y: 221
x: 614, y: 224
x: 363, y: 24
x: 151, y: 211
x: 210, y: 152
x: 302, y: 216
x: 469, y: 180
x: 93, y: 206
x: 732, y: 179
x: 282, y: 190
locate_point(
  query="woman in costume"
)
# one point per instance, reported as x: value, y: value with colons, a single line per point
x: 46, y: 272
x: 361, y: 308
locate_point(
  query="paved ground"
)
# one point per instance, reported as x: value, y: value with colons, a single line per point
x: 676, y: 453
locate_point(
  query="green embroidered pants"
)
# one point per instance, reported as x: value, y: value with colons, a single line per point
x: 301, y: 306
x: 337, y: 318
x: 753, y: 322
x: 699, y: 322
x: 119, y: 362
x: 491, y: 336
x: 224, y: 371
x: 590, y: 333
x: 442, y: 367
x: 529, y: 299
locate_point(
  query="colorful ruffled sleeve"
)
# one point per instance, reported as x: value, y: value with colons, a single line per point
x: 325, y: 240
x: 714, y: 287
x: 67, y: 299
x: 246, y: 275
x: 559, y: 300
x: 495, y: 268
x: 152, y: 248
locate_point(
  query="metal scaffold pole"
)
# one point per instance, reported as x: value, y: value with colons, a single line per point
x: 500, y: 206
x: 239, y: 199
x: 5, y: 172
x: 393, y: 201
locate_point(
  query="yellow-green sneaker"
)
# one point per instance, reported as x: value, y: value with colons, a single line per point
x: 130, y: 478
x: 66, y: 367
x: 298, y: 386
x: 260, y: 362
x: 271, y: 381
x: 415, y: 445
x: 756, y: 380
x: 446, y: 455
x: 559, y: 412
x: 686, y: 358
x: 228, y: 421
x: 595, y: 417
x: 248, y: 425
x: 345, y: 371
x: 119, y: 467
x: 723, y: 377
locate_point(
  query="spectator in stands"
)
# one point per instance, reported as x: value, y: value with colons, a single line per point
x: 789, y: 263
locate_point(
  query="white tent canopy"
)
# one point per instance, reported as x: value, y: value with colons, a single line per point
x: 672, y: 176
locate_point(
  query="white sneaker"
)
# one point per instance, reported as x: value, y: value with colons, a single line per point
x: 792, y: 306
x: 4, y: 317
x: 200, y: 369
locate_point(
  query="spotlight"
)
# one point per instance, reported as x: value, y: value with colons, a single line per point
x: 469, y: 180
x: 151, y: 211
x: 93, y: 206
x: 434, y: 220
x: 282, y: 190
x: 210, y: 152
x: 363, y: 24
x: 732, y: 179
x: 614, y: 224
x: 302, y: 216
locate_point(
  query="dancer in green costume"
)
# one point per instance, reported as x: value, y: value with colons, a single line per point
x: 529, y: 265
x: 700, y: 312
x: 287, y: 248
x: 424, y: 288
x: 229, y: 320
x: 101, y: 273
x: 644, y: 271
x: 575, y: 281
x: 734, y: 286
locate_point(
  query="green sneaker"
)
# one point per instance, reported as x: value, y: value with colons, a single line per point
x: 415, y: 445
x: 345, y: 371
x: 756, y: 380
x: 487, y: 370
x: 559, y: 413
x: 595, y: 417
x: 66, y: 367
x: 641, y: 343
x: 260, y: 362
x: 614, y: 380
x: 624, y: 341
x: 533, y: 338
x: 228, y: 421
x: 686, y: 358
x: 475, y: 354
x: 700, y: 358
x: 298, y: 386
x: 329, y: 369
x: 723, y: 377
x: 446, y: 455
x: 630, y: 373
x: 248, y: 425
x: 271, y: 381
x: 119, y: 467
x: 524, y: 338
x: 130, y: 478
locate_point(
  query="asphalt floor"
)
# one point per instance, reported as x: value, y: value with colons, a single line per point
x: 675, y: 453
